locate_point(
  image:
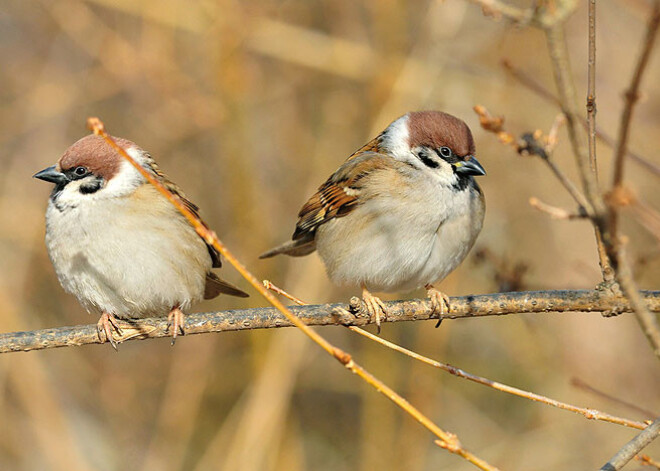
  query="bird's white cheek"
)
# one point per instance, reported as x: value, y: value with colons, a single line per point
x: 444, y: 175
x: 395, y: 139
x: 68, y: 197
x: 127, y: 180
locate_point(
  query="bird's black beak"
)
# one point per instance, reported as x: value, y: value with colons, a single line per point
x: 51, y: 174
x: 470, y: 166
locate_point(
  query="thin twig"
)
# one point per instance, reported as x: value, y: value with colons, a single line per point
x: 475, y: 306
x: 647, y: 216
x: 527, y: 81
x: 553, y: 135
x: 533, y: 85
x: 613, y: 262
x: 595, y: 206
x: 498, y: 10
x: 446, y: 440
x: 614, y: 243
x: 647, y: 320
x: 605, y: 265
x: 591, y: 88
x: 553, y: 211
x: 634, y: 446
x: 643, y: 161
x: 567, y: 99
x: 578, y: 383
x: 572, y: 189
x: 529, y: 144
x: 211, y: 238
x: 592, y: 414
x: 631, y: 98
x: 614, y: 266
x: 612, y: 259
x: 648, y: 461
x: 541, y: 14
x: 588, y: 413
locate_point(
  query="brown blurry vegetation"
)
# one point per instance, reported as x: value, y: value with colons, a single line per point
x: 249, y: 106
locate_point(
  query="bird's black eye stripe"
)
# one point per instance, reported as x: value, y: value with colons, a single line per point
x: 426, y: 159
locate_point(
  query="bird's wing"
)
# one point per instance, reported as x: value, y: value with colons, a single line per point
x: 190, y: 206
x: 337, y: 197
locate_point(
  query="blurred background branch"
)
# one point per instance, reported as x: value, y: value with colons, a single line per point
x: 533, y: 85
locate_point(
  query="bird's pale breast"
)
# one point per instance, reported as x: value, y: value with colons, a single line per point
x: 131, y: 256
x: 399, y: 243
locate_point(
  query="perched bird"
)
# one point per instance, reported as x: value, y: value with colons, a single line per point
x: 401, y: 213
x: 118, y: 245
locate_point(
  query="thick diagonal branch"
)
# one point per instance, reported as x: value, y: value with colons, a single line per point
x: 634, y: 446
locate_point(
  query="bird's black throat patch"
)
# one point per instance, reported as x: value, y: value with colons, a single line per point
x: 462, y: 181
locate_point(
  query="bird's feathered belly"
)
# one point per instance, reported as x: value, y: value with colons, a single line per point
x: 394, y: 247
x: 126, y: 259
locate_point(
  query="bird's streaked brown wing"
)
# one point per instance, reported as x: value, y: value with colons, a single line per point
x: 337, y: 197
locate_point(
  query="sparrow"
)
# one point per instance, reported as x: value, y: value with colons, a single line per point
x: 118, y: 245
x: 399, y: 214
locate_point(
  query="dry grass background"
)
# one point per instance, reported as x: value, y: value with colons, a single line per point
x: 249, y: 106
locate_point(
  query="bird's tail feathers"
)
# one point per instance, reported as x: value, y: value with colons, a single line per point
x: 294, y: 248
x: 215, y: 286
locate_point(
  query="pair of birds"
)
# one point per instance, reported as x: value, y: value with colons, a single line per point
x: 401, y: 213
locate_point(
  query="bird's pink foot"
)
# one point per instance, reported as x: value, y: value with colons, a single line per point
x: 175, y: 323
x: 375, y: 306
x: 104, y: 328
x: 439, y: 302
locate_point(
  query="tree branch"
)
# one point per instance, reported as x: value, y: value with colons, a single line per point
x: 615, y: 248
x: 532, y: 144
x: 643, y: 313
x: 529, y: 82
x: 328, y: 314
x: 631, y: 98
x: 567, y: 100
x: 614, y: 265
x: 632, y: 93
x: 591, y: 89
x: 446, y: 440
x: 553, y: 211
x: 634, y: 446
x: 539, y: 14
x: 589, y: 413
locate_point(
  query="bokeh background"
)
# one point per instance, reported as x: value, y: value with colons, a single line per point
x: 249, y: 106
